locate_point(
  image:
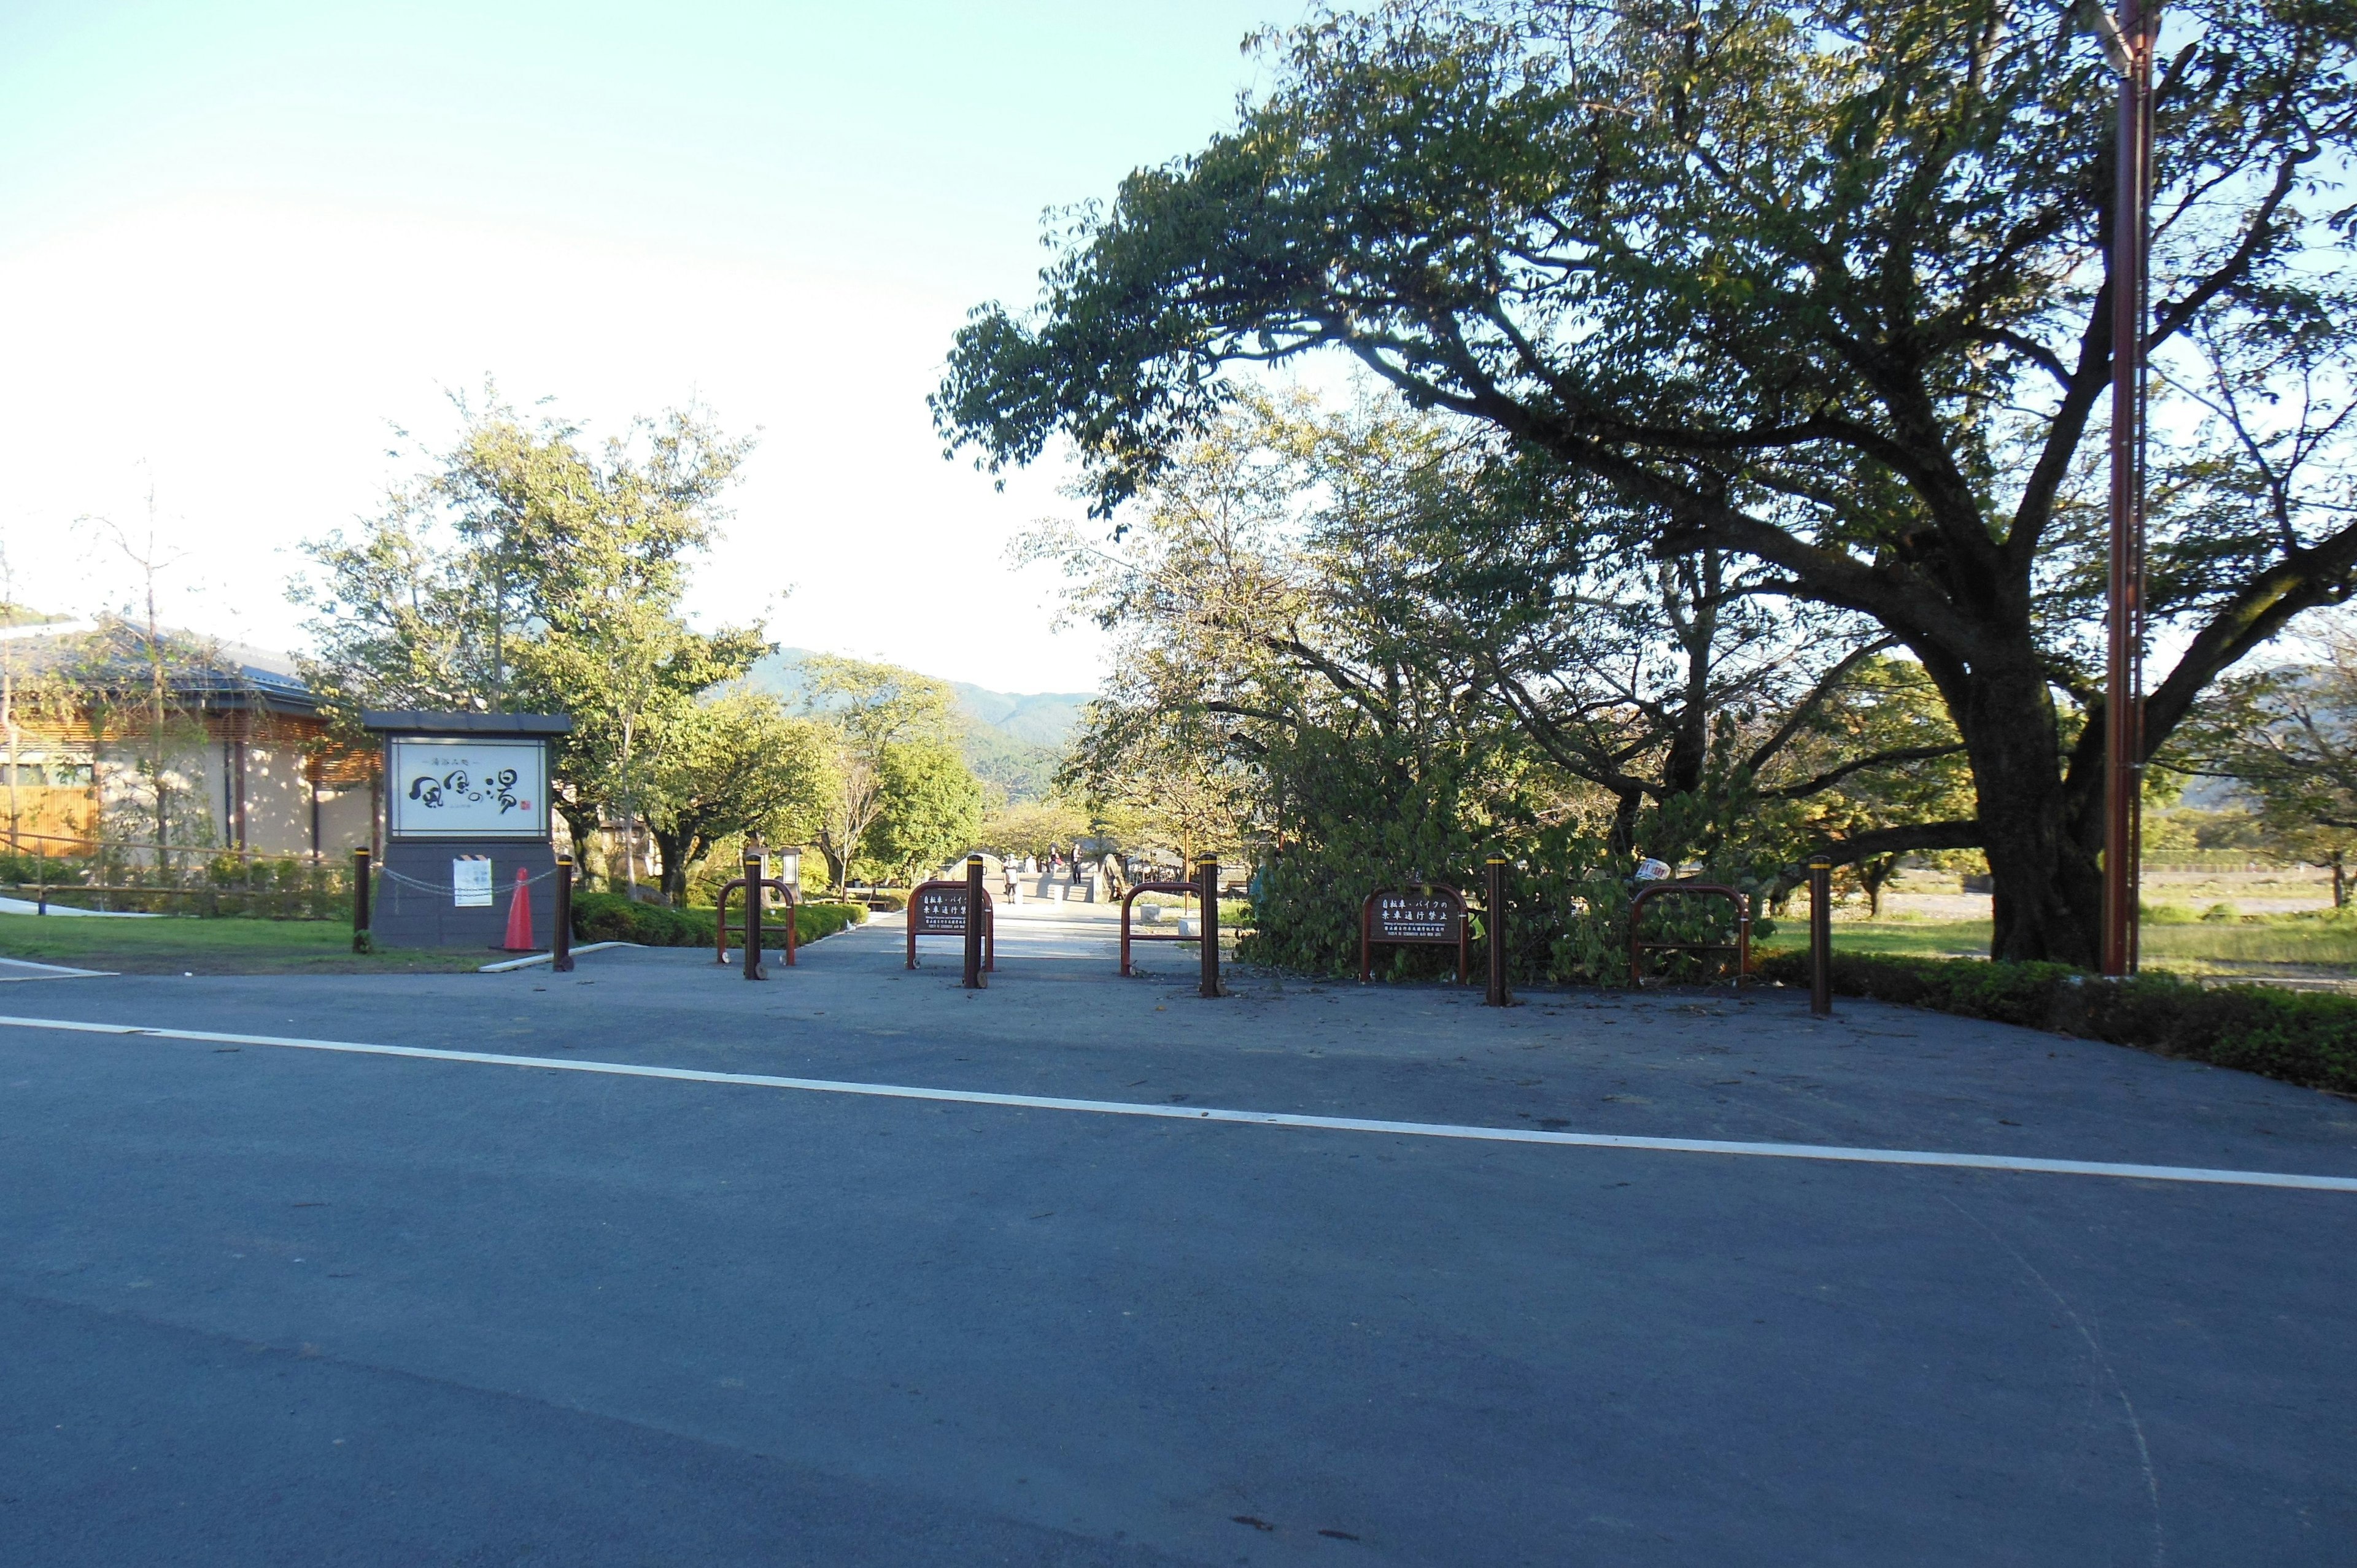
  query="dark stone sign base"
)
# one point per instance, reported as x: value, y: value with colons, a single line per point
x: 406, y: 917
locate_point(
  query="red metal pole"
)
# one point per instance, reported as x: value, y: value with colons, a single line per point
x: 2124, y: 619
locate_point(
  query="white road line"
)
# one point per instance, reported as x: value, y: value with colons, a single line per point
x: 1250, y: 1118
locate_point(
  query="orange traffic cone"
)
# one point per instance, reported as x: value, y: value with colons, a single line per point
x: 520, y: 915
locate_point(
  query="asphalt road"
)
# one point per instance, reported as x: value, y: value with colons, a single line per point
x: 274, y: 1306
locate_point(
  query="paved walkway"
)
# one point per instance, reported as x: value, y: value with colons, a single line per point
x: 272, y: 1302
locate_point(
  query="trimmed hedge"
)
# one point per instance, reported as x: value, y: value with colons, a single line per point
x: 611, y: 918
x: 2306, y: 1038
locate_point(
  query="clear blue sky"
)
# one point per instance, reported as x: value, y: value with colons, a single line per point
x: 239, y: 240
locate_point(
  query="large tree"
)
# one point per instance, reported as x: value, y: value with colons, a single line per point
x: 1822, y: 284
x: 523, y: 568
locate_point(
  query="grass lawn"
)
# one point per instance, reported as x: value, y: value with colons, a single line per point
x: 2292, y: 949
x: 187, y: 945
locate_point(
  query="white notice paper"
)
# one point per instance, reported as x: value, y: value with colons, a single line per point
x: 471, y: 882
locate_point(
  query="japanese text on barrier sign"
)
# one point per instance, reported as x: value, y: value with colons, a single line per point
x: 940, y: 911
x: 1411, y: 917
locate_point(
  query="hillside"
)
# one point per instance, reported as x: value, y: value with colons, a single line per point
x: 1013, y: 739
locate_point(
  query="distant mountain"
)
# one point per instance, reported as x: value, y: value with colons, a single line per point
x: 1012, y: 739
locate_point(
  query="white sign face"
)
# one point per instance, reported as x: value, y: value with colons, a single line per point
x: 467, y: 788
x: 471, y: 882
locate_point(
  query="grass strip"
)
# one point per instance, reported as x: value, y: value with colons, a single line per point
x: 2301, y: 1036
x: 229, y: 945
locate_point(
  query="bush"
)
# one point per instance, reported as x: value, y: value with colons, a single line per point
x: 2301, y: 1036
x: 611, y: 918
x: 2220, y: 914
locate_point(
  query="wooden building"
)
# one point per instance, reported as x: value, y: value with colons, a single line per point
x: 247, y: 759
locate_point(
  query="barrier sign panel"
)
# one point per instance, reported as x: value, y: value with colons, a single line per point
x: 1418, y: 917
x: 939, y: 911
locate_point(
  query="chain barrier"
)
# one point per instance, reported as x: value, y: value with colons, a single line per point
x: 449, y: 889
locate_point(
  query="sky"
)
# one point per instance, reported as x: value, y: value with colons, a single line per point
x: 248, y: 250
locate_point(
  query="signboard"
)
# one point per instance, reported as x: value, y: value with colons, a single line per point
x: 471, y: 882
x: 938, y: 910
x: 1418, y: 917
x: 467, y: 787
x: 1428, y: 914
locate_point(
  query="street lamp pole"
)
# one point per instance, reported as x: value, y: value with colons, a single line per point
x: 2128, y: 43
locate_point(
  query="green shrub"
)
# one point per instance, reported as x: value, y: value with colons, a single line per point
x: 2301, y: 1036
x: 812, y: 922
x: 2165, y: 914
x: 2220, y: 914
x: 611, y: 918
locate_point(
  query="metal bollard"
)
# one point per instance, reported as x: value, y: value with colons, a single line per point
x: 1821, y: 935
x: 361, y: 939
x: 973, y: 917
x: 1494, y: 895
x: 560, y: 937
x: 753, y: 969
x: 1209, y: 899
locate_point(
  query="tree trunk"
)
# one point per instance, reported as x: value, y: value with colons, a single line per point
x: 1625, y: 808
x: 1871, y: 876
x: 672, y: 883
x: 2049, y: 890
x: 581, y: 822
x: 2340, y: 882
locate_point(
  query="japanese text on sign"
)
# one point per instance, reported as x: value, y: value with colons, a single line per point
x: 939, y: 912
x: 1415, y: 917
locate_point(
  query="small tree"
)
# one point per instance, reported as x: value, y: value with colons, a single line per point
x: 2287, y: 738
x: 1035, y: 827
x: 734, y: 765
x: 870, y: 707
x: 928, y: 806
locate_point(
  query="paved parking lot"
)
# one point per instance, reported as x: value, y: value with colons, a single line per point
x: 269, y: 1304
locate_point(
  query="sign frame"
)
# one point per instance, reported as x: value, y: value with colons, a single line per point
x: 401, y: 820
x: 919, y: 921
x: 1459, y: 916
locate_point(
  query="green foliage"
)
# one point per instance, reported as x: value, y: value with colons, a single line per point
x: 611, y: 918
x: 730, y: 765
x: 1816, y: 291
x: 2303, y: 1037
x: 523, y: 570
x: 1035, y: 828
x: 928, y: 807
x: 870, y: 708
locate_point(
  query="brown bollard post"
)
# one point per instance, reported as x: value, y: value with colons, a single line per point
x: 361, y: 942
x: 753, y: 916
x: 1821, y: 936
x: 1209, y: 899
x: 1494, y: 897
x: 973, y: 918
x: 560, y: 936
